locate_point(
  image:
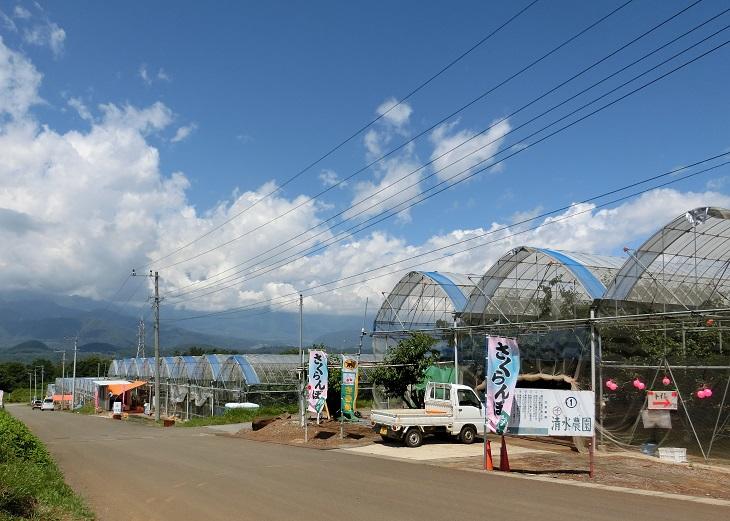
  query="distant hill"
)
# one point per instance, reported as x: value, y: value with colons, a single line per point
x: 345, y: 341
x: 27, y: 351
x: 31, y: 346
x: 34, y: 325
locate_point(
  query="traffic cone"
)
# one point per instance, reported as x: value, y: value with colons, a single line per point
x: 503, y: 457
x: 488, y: 463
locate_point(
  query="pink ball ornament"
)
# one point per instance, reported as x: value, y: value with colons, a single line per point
x: 666, y: 380
x: 638, y: 384
x: 708, y: 393
x: 701, y: 393
x: 641, y: 386
x: 613, y: 386
x: 610, y: 384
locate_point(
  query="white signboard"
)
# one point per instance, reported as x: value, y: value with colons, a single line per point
x: 117, y: 408
x: 654, y: 419
x: 550, y: 412
x: 662, y: 400
x: 2, y: 395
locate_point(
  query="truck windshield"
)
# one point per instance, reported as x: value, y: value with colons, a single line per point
x: 467, y: 398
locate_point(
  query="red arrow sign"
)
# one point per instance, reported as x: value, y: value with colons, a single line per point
x: 662, y: 400
x: 665, y: 403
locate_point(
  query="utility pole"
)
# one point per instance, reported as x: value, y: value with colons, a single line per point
x: 43, y: 369
x: 73, y: 378
x: 30, y: 385
x: 35, y: 383
x: 63, y: 378
x: 156, y: 305
x: 157, y: 346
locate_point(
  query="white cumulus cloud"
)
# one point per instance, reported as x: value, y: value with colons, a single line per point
x: 183, y: 132
x: 454, y: 161
x: 79, y: 208
x: 21, y: 12
x: 395, y: 113
x: 19, y: 82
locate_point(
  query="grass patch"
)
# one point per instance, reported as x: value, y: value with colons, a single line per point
x: 241, y: 415
x: 31, y: 486
x: 87, y: 408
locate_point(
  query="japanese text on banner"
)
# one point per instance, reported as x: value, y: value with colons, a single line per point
x: 503, y: 366
x: 318, y: 379
x: 349, y: 386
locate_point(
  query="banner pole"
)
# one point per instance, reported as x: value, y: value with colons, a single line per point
x: 486, y: 368
x: 591, y: 458
x: 591, y: 450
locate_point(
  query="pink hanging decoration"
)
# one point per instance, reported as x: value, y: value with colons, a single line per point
x: 638, y: 384
x: 708, y: 393
x: 701, y: 393
x: 610, y: 384
x: 641, y: 386
x: 614, y: 386
x: 666, y: 380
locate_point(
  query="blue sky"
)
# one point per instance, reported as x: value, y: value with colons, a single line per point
x: 272, y: 85
x: 266, y: 87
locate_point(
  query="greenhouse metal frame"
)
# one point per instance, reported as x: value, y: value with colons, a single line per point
x: 674, y: 289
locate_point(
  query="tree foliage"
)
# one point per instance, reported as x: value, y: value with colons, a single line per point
x: 405, y: 365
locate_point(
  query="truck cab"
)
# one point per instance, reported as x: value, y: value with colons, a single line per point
x: 449, y: 408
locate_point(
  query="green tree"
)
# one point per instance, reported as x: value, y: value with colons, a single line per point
x: 89, y: 366
x: 405, y: 365
x: 13, y: 375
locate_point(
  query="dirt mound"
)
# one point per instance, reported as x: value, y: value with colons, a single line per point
x: 326, y: 435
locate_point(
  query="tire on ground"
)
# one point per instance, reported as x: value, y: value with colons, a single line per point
x: 413, y: 438
x: 468, y: 434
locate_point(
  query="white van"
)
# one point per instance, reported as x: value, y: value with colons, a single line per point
x: 48, y: 405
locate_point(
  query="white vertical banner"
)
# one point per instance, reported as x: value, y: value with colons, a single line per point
x: 318, y: 380
x: 503, y: 367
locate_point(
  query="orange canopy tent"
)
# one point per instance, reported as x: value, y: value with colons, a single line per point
x: 117, y: 389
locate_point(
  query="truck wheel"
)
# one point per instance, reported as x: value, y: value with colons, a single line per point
x: 413, y: 438
x: 468, y: 434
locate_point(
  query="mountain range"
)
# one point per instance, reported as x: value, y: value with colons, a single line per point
x: 34, y: 325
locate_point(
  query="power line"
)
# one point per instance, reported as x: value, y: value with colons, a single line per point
x: 412, y: 139
x: 424, y: 195
x: 355, y: 134
x: 521, y: 232
x: 454, y: 162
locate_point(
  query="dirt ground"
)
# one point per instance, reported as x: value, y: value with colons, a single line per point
x: 621, y: 469
x: 286, y: 430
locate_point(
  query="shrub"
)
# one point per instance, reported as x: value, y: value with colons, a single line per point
x: 17, y: 442
x: 31, y: 486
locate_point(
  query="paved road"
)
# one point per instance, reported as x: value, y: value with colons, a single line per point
x: 130, y: 472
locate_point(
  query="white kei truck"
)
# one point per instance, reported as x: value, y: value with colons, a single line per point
x: 449, y: 408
